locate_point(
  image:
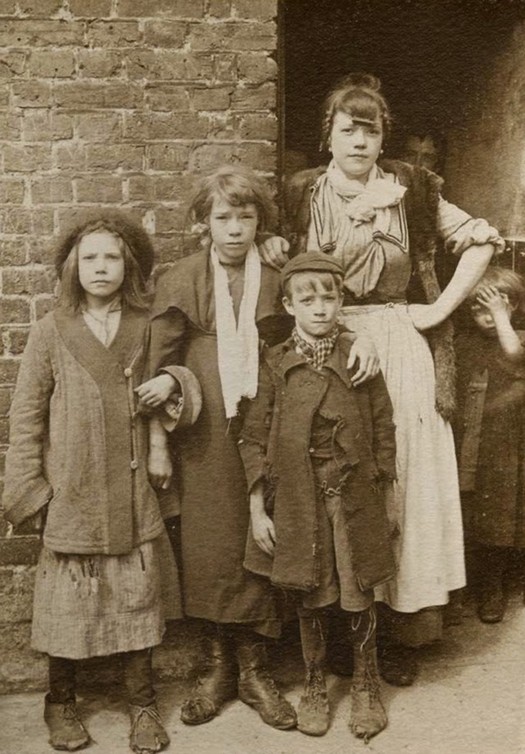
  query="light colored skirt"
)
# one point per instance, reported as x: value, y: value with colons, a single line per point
x: 424, y: 508
x: 91, y: 605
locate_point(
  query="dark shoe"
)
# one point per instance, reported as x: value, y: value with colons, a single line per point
x: 216, y: 684
x: 66, y: 730
x: 491, y: 608
x: 257, y: 688
x: 398, y: 665
x: 147, y: 734
x: 368, y: 716
x: 313, y: 714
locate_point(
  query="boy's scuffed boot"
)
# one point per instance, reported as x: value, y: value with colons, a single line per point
x: 66, y: 729
x: 147, y: 733
x: 256, y: 686
x: 216, y: 683
x: 368, y: 716
x: 313, y: 715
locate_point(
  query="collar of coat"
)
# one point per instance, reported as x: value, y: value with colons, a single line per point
x: 283, y: 358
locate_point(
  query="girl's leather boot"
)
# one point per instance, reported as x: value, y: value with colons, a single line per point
x: 217, y: 680
x: 313, y: 715
x: 147, y: 733
x: 368, y: 716
x: 66, y: 729
x: 256, y: 686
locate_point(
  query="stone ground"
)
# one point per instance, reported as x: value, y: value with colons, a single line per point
x: 468, y: 699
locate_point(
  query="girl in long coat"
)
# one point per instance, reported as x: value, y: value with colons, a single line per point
x: 106, y: 579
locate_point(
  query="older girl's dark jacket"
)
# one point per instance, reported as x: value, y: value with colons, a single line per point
x: 421, y: 205
x: 275, y: 447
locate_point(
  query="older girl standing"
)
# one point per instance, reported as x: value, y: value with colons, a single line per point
x: 385, y: 222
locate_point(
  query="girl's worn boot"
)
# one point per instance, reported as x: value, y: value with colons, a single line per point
x: 256, y: 686
x: 492, y: 600
x: 217, y: 680
x: 66, y: 730
x: 368, y: 716
x: 313, y: 715
x: 147, y: 733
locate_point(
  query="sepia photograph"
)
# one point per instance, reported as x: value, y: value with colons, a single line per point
x: 262, y: 375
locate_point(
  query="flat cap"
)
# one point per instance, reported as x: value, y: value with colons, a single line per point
x: 311, y: 261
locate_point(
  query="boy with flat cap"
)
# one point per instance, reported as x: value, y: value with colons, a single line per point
x: 319, y: 453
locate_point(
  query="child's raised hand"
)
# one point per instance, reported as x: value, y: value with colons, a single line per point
x: 263, y: 531
x: 156, y: 391
x: 493, y: 299
x: 160, y: 467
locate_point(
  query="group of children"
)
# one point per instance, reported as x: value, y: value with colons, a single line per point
x: 233, y: 398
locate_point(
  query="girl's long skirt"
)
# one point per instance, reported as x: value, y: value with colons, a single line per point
x: 424, y: 508
x: 90, y: 605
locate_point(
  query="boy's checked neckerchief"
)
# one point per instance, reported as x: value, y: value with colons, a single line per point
x: 316, y: 353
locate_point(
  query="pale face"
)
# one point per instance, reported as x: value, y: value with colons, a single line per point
x: 232, y: 229
x: 484, y: 319
x: 421, y: 151
x: 100, y: 267
x: 315, y: 309
x: 355, y: 145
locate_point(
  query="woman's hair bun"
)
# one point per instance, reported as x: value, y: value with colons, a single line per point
x: 361, y: 81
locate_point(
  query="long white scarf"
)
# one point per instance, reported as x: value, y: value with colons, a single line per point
x: 237, y: 342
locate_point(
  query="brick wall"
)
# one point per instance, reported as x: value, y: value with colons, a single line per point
x: 111, y: 103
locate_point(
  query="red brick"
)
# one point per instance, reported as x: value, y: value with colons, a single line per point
x: 70, y: 156
x: 264, y: 10
x: 14, y: 251
x: 4, y: 438
x: 170, y: 248
x: 165, y: 126
x: 167, y: 97
x: 43, y: 125
x: 263, y: 97
x: 210, y: 156
x: 31, y: 93
x: 43, y: 305
x: 99, y: 63
x: 42, y: 33
x: 93, y: 127
x: 7, y: 7
x: 259, y: 156
x: 170, y: 219
x: 90, y: 8
x: 52, y: 64
x: 88, y: 96
x: 41, y: 250
x: 6, y: 394
x: 23, y: 220
x: 167, y: 8
x: 225, y: 67
x: 13, y: 310
x: 220, y: 8
x: 26, y: 157
x: 8, y: 366
x: 11, y: 192
x: 259, y: 127
x: 99, y: 188
x: 113, y: 33
x: 257, y: 67
x: 163, y: 33
x: 39, y: 8
x: 9, y: 127
x: 168, y: 64
x: 159, y: 188
x: 114, y: 156
x: 27, y: 281
x: 167, y: 157
x: 17, y: 551
x: 4, y: 95
x: 232, y: 36
x: 12, y: 63
x: 224, y: 127
x: 212, y: 98
x: 17, y: 340
x: 53, y: 189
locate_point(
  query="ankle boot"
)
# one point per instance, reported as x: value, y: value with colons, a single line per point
x: 368, y: 716
x: 147, y: 733
x: 256, y: 686
x: 491, y: 598
x: 313, y: 715
x: 66, y: 730
x: 217, y: 680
